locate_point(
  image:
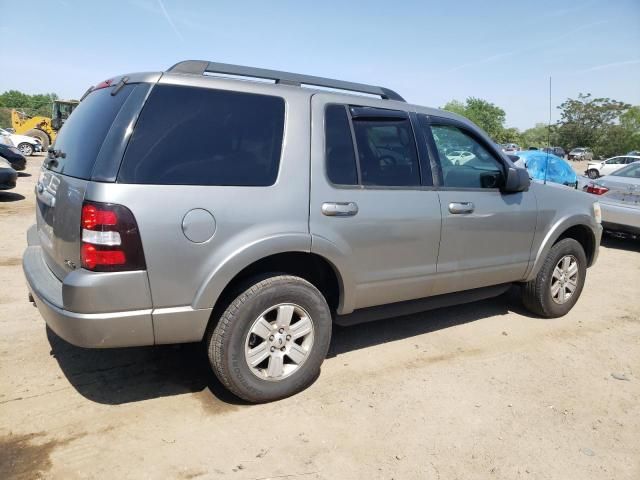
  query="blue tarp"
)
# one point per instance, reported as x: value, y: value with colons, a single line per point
x: 558, y: 169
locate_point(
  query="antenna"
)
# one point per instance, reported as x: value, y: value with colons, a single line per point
x: 546, y: 166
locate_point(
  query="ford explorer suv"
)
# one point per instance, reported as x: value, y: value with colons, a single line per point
x: 244, y: 209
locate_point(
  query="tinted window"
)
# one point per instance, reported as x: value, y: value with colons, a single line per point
x: 340, y: 156
x: 387, y: 152
x: 196, y: 136
x: 84, y: 131
x: 477, y: 169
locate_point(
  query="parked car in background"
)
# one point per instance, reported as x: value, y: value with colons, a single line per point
x: 293, y: 216
x: 460, y: 157
x: 606, y: 167
x: 557, y: 169
x: 510, y: 148
x: 26, y: 145
x: 8, y: 175
x: 580, y: 153
x: 619, y: 196
x: 634, y: 153
x: 13, y: 156
x: 557, y: 151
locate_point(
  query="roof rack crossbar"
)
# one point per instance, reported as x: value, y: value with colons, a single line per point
x: 200, y: 67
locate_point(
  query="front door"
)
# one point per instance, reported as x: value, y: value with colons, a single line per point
x: 373, y: 209
x: 486, y: 234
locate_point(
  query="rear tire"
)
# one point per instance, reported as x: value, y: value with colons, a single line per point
x: 271, y: 340
x: 26, y: 149
x: 40, y: 135
x: 559, y: 283
x: 593, y: 174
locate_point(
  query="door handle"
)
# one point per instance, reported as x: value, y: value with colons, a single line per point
x: 461, y: 207
x: 339, y: 209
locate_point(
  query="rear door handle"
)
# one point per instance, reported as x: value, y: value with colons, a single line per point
x: 339, y: 209
x: 461, y: 207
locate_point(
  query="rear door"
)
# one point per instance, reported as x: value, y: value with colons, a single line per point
x: 372, y: 198
x: 93, y: 136
x: 486, y: 234
x: 612, y: 165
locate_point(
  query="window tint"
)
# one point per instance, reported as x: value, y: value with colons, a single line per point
x: 477, y: 168
x: 387, y: 152
x: 340, y: 156
x: 85, y: 130
x: 196, y: 136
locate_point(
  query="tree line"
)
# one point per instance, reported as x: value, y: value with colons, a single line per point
x: 609, y: 127
x: 39, y: 104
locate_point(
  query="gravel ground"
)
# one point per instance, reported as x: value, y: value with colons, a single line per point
x: 476, y: 391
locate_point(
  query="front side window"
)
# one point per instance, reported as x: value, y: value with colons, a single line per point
x: 198, y: 136
x: 475, y: 168
x: 387, y: 152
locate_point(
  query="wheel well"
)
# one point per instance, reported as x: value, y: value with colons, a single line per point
x: 313, y: 268
x: 583, y: 235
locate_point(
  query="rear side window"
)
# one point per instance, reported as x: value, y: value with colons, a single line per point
x: 341, y: 158
x: 196, y: 136
x: 387, y: 152
x: 84, y: 132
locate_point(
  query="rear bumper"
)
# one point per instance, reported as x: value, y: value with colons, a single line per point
x: 91, y: 330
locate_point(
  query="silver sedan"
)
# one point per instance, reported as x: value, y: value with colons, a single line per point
x: 619, y: 195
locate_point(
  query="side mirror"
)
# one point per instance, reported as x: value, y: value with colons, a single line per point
x: 517, y: 180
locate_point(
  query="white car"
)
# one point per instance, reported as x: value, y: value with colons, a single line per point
x: 606, y: 167
x: 460, y: 157
x: 27, y: 145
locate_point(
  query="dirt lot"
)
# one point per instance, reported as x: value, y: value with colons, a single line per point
x: 476, y: 391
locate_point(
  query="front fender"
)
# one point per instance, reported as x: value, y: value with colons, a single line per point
x: 238, y: 260
x: 555, y: 232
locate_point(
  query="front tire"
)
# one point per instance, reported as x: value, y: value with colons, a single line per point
x: 26, y: 149
x: 559, y: 283
x: 593, y: 174
x: 271, y: 340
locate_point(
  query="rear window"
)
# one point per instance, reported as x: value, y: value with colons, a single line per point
x: 84, y: 132
x: 196, y: 136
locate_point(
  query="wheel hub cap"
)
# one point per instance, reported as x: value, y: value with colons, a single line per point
x: 279, y: 341
x: 564, y: 280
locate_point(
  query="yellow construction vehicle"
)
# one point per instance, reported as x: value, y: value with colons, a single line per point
x: 44, y: 129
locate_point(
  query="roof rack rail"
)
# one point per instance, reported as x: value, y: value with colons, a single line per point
x: 200, y: 67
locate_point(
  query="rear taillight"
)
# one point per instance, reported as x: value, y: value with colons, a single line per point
x: 110, y: 238
x: 596, y: 189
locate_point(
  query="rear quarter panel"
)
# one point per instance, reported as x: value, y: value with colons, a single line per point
x: 250, y: 221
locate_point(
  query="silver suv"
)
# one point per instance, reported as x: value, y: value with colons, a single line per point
x: 195, y: 206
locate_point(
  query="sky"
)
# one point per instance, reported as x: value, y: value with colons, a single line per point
x: 428, y: 51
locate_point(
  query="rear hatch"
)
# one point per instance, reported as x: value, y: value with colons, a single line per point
x: 89, y: 146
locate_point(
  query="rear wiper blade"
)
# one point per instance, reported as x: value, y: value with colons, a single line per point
x: 123, y: 81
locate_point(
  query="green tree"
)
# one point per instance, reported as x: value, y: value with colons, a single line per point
x: 485, y: 114
x: 592, y: 122
x: 38, y: 104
